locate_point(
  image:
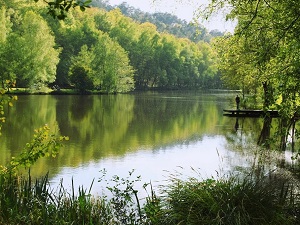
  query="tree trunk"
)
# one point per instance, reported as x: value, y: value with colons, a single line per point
x: 265, y: 132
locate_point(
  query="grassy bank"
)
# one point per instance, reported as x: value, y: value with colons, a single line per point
x: 232, y: 201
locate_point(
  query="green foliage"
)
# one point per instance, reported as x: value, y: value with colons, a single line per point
x: 165, y: 22
x: 28, y: 54
x: 112, y: 72
x: 44, y: 144
x: 153, y: 208
x: 231, y: 201
x: 262, y: 55
x: 58, y: 9
x: 27, y: 201
x: 38, y: 55
x: 4, y: 27
x: 236, y: 65
x: 120, y: 54
x: 124, y: 203
x: 80, y: 79
x: 227, y: 201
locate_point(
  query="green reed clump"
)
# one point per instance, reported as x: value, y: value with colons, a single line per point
x: 232, y: 201
x: 23, y: 201
x: 79, y: 208
x: 27, y: 201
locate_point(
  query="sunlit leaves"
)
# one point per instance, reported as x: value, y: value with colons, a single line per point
x: 112, y: 72
x: 101, y: 63
x: 265, y: 49
x: 5, y: 99
x: 4, y: 26
x: 261, y: 49
x: 32, y: 56
x: 44, y: 144
x: 128, y: 48
x: 59, y: 8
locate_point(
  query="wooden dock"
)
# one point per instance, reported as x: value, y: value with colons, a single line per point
x: 249, y: 113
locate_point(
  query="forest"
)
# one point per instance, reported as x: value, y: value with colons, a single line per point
x: 165, y: 22
x: 46, y: 44
x: 97, y: 50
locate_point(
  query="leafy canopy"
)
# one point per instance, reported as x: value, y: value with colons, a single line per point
x: 59, y: 8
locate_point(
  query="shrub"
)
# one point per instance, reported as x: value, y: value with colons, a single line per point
x: 232, y: 201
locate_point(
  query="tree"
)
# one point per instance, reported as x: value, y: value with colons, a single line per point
x: 74, y: 32
x: 122, y: 29
x: 4, y: 32
x: 264, y: 27
x: 103, y: 66
x: 236, y: 65
x: 268, y: 32
x: 80, y: 70
x: 143, y: 56
x: 59, y: 8
x: 206, y: 62
x: 112, y: 70
x: 34, y: 51
x: 28, y: 53
x: 4, y: 25
x: 167, y: 53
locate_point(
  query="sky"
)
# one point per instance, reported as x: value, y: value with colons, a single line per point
x: 183, y: 9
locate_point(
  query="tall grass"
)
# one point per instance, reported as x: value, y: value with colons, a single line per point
x: 23, y: 201
x: 229, y: 201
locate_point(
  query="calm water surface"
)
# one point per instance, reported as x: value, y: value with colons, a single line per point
x: 154, y: 133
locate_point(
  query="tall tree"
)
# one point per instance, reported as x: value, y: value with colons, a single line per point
x: 34, y: 50
x: 28, y: 52
x: 112, y: 70
x: 143, y: 57
x: 4, y: 32
x: 80, y: 71
x: 268, y: 31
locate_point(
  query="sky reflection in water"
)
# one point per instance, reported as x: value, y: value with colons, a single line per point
x: 207, y: 156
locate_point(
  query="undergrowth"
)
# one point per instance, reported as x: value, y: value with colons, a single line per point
x: 229, y: 201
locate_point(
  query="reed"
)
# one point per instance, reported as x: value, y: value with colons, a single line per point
x: 23, y: 201
x: 229, y: 201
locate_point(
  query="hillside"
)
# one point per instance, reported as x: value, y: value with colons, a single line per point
x: 165, y: 22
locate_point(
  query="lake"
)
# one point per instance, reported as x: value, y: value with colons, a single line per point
x: 154, y: 133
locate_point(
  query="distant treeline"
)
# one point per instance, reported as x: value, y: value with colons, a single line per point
x: 165, y: 22
x: 98, y: 50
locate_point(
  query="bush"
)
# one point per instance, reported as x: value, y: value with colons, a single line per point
x: 231, y: 201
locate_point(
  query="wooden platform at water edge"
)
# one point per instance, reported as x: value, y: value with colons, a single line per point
x: 249, y: 113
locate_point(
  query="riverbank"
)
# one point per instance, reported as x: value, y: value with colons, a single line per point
x: 69, y: 91
x: 49, y: 91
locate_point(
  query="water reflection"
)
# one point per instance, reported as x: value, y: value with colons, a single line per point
x: 206, y: 156
x: 150, y: 132
x: 237, y: 125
